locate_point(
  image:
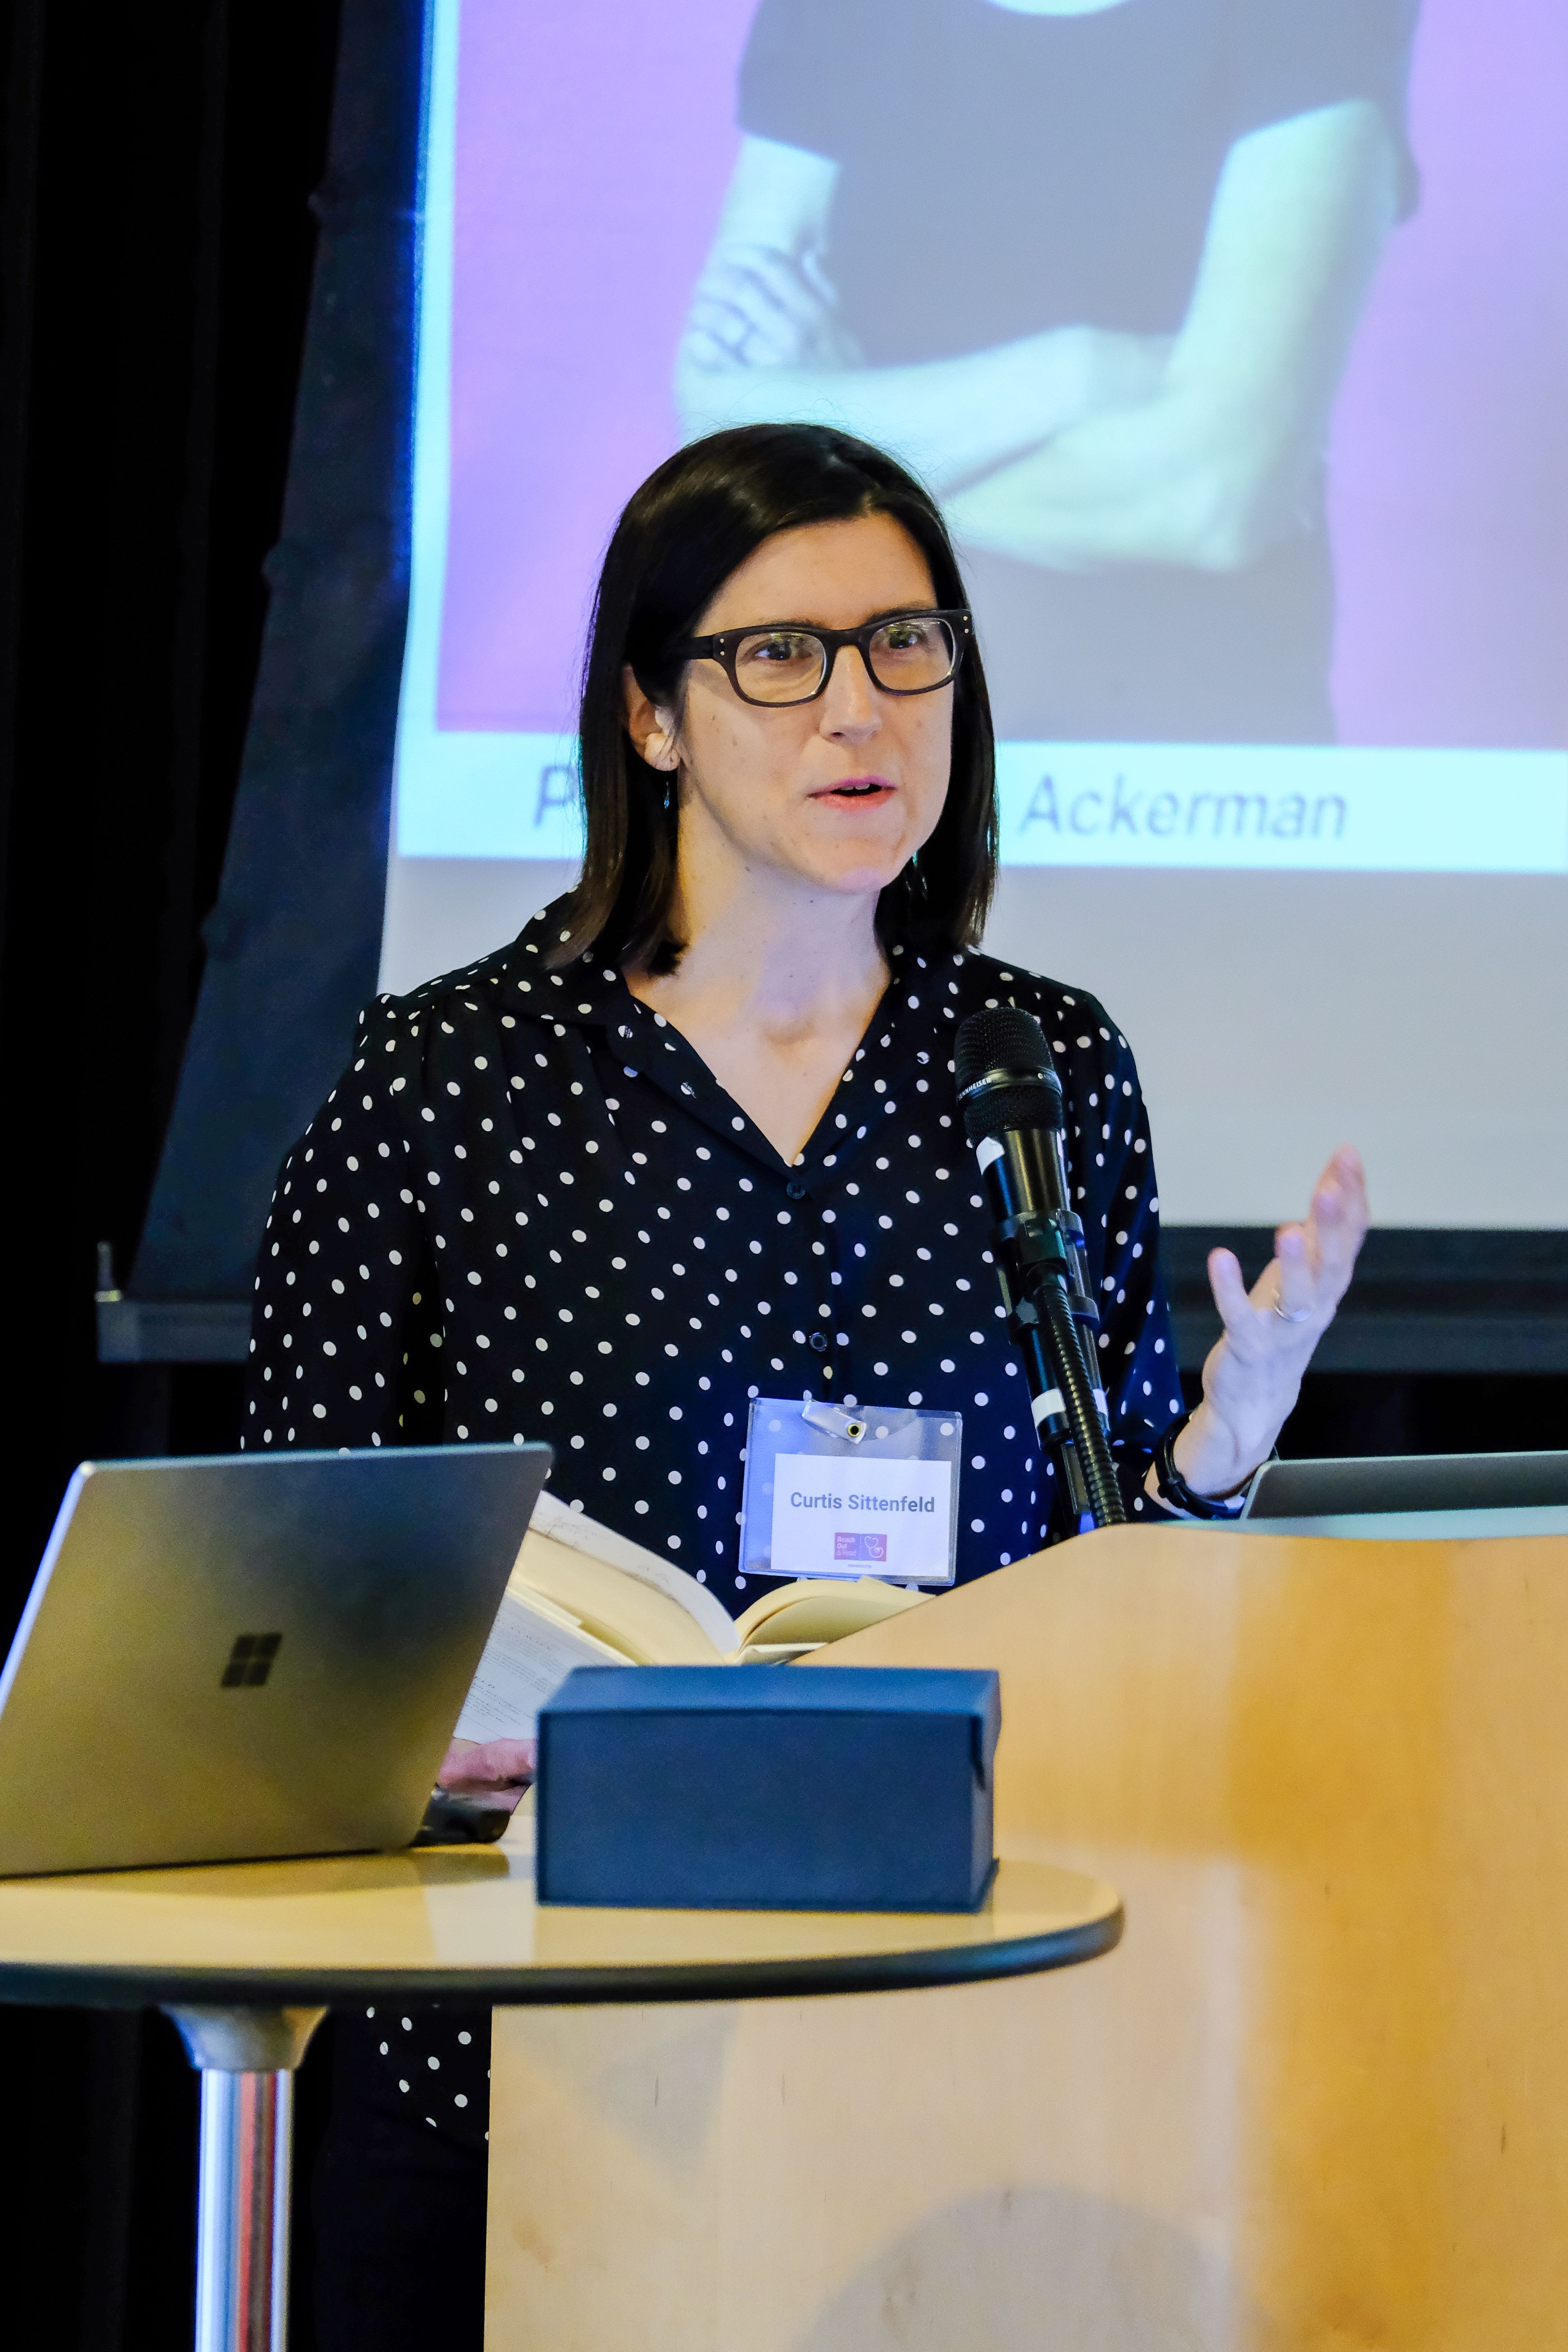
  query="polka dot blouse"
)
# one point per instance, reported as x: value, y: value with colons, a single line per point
x: 529, y: 1210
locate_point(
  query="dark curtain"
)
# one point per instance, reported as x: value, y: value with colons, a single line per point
x: 158, y: 254
x: 293, y: 943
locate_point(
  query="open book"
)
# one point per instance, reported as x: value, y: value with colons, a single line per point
x: 581, y: 1595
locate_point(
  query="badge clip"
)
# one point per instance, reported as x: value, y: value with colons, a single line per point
x: 833, y: 1420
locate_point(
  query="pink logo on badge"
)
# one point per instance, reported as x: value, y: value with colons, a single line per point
x: 859, y: 1546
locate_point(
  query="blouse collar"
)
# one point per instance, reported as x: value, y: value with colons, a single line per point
x: 906, y: 1038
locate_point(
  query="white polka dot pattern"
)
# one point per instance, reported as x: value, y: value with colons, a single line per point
x: 528, y: 1209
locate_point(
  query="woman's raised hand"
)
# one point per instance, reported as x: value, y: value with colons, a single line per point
x: 1253, y: 1373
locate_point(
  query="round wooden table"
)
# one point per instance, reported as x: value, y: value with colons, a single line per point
x: 247, y: 1958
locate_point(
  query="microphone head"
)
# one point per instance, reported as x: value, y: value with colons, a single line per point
x: 1005, y: 1074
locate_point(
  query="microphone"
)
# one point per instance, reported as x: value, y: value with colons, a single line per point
x: 1014, y: 1116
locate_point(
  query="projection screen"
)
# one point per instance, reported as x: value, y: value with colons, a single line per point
x: 1233, y: 335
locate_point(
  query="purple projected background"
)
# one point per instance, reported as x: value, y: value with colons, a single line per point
x: 593, y: 149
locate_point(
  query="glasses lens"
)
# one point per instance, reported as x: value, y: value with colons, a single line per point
x: 910, y: 655
x: 779, y: 665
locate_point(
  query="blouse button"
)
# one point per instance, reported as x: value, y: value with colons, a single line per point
x: 818, y: 1341
x: 794, y: 1191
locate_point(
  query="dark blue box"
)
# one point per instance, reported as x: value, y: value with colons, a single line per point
x: 768, y: 1788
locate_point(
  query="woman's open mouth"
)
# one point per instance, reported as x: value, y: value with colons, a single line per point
x: 855, y: 787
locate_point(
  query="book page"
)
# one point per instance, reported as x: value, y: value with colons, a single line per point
x: 815, y: 1609
x: 530, y: 1652
x: 648, y: 1626
x: 553, y: 1520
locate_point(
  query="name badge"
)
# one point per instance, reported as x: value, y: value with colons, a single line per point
x: 835, y: 1490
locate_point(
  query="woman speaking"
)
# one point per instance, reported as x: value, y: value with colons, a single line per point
x: 694, y: 1137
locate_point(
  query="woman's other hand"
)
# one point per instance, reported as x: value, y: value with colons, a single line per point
x: 1223, y: 460
x: 766, y: 339
x: 492, y: 1772
x: 1253, y: 1373
x: 756, y: 306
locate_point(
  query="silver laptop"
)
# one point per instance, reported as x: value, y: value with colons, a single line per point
x: 1410, y: 1495
x: 252, y: 1655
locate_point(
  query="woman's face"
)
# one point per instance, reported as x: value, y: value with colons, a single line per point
x: 836, y: 793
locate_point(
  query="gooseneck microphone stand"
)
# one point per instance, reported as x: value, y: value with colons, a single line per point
x: 1012, y: 1112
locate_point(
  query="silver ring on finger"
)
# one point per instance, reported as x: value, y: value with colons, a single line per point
x: 1289, y: 1314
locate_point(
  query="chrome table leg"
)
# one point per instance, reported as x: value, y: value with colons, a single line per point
x: 247, y: 2058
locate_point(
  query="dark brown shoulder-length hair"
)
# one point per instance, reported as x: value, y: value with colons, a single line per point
x: 691, y: 524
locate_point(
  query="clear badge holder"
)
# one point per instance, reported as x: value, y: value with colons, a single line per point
x: 835, y: 1490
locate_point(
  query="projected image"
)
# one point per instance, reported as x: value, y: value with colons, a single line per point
x: 1096, y: 273
x: 1231, y: 333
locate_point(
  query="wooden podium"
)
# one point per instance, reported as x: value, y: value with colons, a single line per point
x: 1316, y: 2102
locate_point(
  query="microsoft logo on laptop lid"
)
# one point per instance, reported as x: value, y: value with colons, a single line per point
x: 250, y: 1660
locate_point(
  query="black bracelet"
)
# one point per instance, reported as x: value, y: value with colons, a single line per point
x: 1173, y: 1490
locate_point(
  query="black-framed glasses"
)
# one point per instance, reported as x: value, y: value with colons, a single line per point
x: 783, y: 662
